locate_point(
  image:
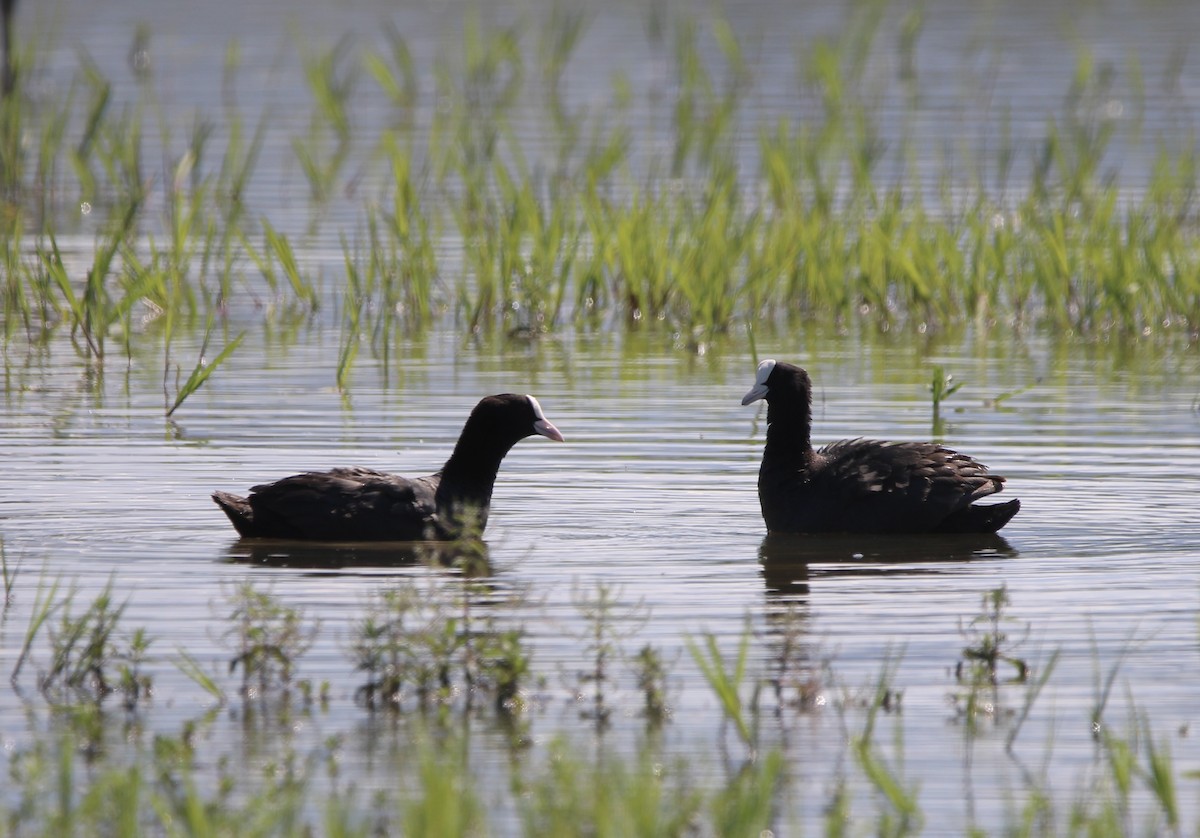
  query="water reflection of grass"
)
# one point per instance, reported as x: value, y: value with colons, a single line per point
x: 428, y: 649
x: 501, y: 229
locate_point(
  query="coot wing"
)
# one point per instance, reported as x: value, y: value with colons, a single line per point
x: 920, y: 483
x: 352, y: 504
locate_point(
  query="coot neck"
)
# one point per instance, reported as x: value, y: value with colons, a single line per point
x: 789, y: 432
x: 464, y: 493
x: 470, y: 473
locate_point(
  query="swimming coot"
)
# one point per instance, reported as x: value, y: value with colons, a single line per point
x: 359, y: 504
x: 862, y: 485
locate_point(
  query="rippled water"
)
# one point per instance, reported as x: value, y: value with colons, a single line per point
x: 653, y: 492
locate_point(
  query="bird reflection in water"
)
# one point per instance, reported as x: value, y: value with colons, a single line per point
x: 469, y: 556
x: 787, y: 560
x: 798, y: 664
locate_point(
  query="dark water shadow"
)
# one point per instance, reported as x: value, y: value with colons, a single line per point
x: 789, y: 562
x: 470, y: 557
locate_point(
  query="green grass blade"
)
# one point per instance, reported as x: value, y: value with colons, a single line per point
x: 202, y: 371
x: 43, y: 607
x: 190, y: 667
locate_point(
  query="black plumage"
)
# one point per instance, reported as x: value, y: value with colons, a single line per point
x: 862, y: 485
x: 360, y: 504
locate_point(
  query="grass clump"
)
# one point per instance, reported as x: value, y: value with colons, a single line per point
x: 989, y: 643
x: 87, y: 658
x: 611, y: 797
x: 427, y: 648
x: 727, y: 683
x: 607, y: 622
x: 83, y: 649
x: 267, y: 638
x: 428, y: 644
x: 989, y: 652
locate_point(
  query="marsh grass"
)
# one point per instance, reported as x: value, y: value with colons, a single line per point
x: 941, y: 387
x: 10, y: 573
x: 94, y: 311
x: 607, y: 622
x: 728, y: 681
x: 44, y: 605
x: 356, y: 298
x: 694, y: 238
x: 267, y: 638
x: 322, y: 153
x: 426, y: 642
x: 192, y: 668
x: 472, y: 226
x: 202, y: 371
x: 87, y: 661
x: 422, y: 635
x: 278, y: 255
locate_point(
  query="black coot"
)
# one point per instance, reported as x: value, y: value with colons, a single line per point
x: 359, y: 504
x: 862, y: 485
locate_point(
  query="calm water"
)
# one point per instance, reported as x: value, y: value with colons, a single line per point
x: 654, y: 491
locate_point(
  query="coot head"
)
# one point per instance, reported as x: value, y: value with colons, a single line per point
x: 775, y: 378
x: 542, y: 425
x: 511, y: 418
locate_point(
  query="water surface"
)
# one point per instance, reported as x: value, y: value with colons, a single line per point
x: 654, y: 495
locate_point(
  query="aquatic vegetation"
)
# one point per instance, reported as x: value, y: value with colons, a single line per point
x: 446, y: 803
x: 799, y: 676
x: 902, y: 814
x: 454, y: 214
x: 989, y: 644
x: 609, y: 797
x: 728, y: 682
x: 44, y: 605
x: 192, y: 668
x: 427, y: 642
x: 428, y: 638
x: 203, y: 369
x: 941, y: 387
x: 87, y: 662
x: 332, y: 76
x: 96, y: 311
x: 606, y: 623
x: 651, y: 671
x: 694, y: 238
x: 267, y: 637
x: 9, y: 574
